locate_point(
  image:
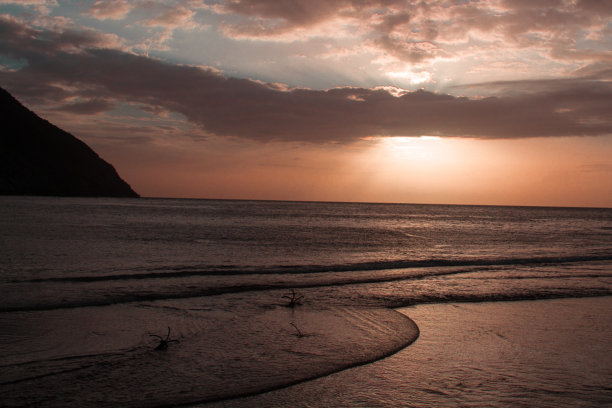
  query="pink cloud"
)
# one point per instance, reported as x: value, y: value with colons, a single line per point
x: 420, y: 31
x: 170, y: 16
x: 110, y: 9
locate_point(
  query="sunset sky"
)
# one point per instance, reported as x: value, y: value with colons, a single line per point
x: 446, y: 101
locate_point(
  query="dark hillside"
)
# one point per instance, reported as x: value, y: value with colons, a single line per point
x: 38, y: 158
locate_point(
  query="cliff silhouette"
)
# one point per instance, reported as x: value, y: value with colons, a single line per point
x: 38, y: 158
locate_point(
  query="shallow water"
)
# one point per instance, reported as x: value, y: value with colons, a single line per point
x: 104, y: 356
x: 545, y: 353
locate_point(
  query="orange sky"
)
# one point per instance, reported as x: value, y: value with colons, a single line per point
x: 567, y: 171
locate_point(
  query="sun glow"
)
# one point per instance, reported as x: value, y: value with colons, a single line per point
x: 425, y: 169
x: 410, y: 162
x: 414, y: 78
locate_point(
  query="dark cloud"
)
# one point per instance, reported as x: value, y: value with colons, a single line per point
x: 602, y: 7
x: 236, y: 107
x: 391, y: 22
x: 409, y: 51
x: 295, y: 12
x: 20, y: 41
x: 596, y: 71
x: 87, y: 107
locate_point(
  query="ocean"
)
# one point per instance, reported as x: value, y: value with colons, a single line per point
x: 395, y: 304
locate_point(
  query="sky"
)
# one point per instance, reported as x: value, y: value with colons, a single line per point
x: 503, y: 102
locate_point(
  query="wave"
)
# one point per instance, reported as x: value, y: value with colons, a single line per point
x: 224, y: 270
x: 391, y: 301
x: 502, y: 297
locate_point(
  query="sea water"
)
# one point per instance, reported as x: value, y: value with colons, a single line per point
x: 87, y: 284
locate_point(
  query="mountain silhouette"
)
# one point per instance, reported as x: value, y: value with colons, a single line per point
x: 38, y: 158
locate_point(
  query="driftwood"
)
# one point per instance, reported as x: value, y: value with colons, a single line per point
x: 163, y: 342
x: 294, y: 299
x: 298, y: 331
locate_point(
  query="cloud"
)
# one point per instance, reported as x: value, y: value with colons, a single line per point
x: 110, y: 9
x: 398, y: 31
x: 405, y: 50
x: 598, y: 71
x: 416, y: 32
x: 41, y: 6
x: 296, y: 13
x: 28, y: 3
x: 158, y: 13
x: 168, y: 16
x: 158, y: 20
x: 56, y: 35
x: 61, y: 65
x: 90, y: 107
x: 294, y: 20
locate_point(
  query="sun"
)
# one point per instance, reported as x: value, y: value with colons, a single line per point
x: 419, y: 148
